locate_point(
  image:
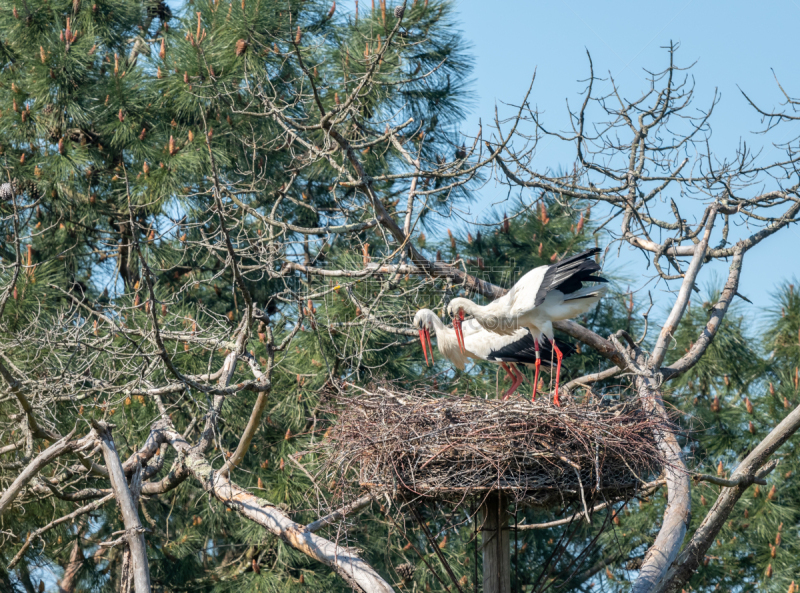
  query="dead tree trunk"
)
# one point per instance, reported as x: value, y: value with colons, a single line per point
x: 670, y: 537
x: 668, y: 542
x: 130, y: 516
x: 127, y: 573
x: 496, y: 545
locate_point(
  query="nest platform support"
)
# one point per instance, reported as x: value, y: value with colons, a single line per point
x: 496, y: 544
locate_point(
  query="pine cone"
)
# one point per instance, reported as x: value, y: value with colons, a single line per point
x: 399, y: 11
x: 405, y: 571
x: 6, y: 192
x: 241, y: 47
x: 159, y: 9
x: 634, y: 564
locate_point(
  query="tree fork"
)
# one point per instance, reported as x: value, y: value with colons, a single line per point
x: 130, y: 516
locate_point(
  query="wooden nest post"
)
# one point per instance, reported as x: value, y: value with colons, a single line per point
x: 495, y: 543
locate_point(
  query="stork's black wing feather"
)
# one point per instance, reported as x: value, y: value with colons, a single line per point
x: 568, y: 275
x: 523, y: 351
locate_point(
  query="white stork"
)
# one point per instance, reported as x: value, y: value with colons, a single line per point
x: 542, y: 296
x: 479, y: 344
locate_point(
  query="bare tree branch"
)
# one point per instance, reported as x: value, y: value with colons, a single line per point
x: 646, y: 490
x: 60, y: 447
x: 130, y: 514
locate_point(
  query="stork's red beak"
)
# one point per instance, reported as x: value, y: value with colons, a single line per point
x: 459, y: 332
x: 430, y: 346
x: 422, y: 341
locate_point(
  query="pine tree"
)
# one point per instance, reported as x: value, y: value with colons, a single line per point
x: 116, y: 120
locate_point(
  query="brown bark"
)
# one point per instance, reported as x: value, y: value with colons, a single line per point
x: 70, y: 578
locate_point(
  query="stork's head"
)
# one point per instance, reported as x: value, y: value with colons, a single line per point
x: 458, y: 307
x: 423, y: 321
x: 455, y: 309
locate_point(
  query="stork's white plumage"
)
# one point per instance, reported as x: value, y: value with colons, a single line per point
x: 480, y: 344
x: 542, y: 296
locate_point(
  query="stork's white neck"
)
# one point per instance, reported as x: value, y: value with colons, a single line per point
x: 493, y: 317
x: 437, y: 324
x: 442, y: 331
x: 448, y: 345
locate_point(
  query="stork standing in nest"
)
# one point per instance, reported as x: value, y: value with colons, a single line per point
x: 479, y: 344
x: 542, y: 296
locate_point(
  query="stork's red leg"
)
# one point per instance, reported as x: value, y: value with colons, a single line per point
x: 509, y: 374
x: 517, y: 382
x: 538, y: 364
x: 461, y: 331
x: 559, y: 356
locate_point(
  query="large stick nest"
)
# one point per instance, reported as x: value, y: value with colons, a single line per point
x: 452, y: 447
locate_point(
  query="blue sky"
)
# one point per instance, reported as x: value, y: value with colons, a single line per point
x: 733, y: 43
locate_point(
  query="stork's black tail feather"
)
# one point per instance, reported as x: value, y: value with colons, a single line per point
x: 568, y: 274
x: 578, y: 257
x: 524, y: 351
